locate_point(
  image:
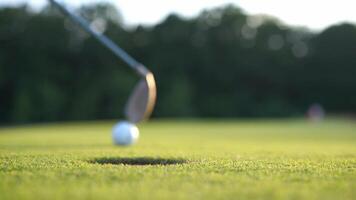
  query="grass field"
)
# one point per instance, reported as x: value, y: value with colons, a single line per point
x: 273, y: 159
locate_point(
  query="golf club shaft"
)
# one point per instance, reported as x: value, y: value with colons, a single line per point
x: 119, y: 52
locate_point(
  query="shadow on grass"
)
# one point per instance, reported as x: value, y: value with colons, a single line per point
x: 137, y: 161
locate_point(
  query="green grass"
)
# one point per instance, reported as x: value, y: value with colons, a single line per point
x: 273, y: 159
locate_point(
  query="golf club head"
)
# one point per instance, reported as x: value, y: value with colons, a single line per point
x: 142, y: 100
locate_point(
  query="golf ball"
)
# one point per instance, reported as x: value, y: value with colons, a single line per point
x: 125, y: 133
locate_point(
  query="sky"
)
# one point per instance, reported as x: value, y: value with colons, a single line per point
x: 313, y: 14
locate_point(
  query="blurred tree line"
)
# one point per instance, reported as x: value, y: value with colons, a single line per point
x: 223, y: 63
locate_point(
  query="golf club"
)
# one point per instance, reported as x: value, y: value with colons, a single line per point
x: 142, y: 100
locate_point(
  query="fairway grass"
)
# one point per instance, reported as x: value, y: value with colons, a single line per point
x: 273, y: 159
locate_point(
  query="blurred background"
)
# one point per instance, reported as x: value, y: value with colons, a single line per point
x: 210, y: 58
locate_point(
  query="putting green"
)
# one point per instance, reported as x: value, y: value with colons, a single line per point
x: 273, y: 159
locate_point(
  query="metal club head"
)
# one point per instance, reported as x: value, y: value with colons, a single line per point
x: 142, y: 100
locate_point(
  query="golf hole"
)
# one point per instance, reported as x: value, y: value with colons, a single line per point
x: 137, y: 161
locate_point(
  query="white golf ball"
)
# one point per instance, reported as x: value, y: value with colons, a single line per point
x: 125, y: 133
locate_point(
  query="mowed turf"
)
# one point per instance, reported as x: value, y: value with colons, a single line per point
x: 261, y: 159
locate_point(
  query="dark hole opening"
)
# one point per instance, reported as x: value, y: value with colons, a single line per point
x: 137, y: 161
